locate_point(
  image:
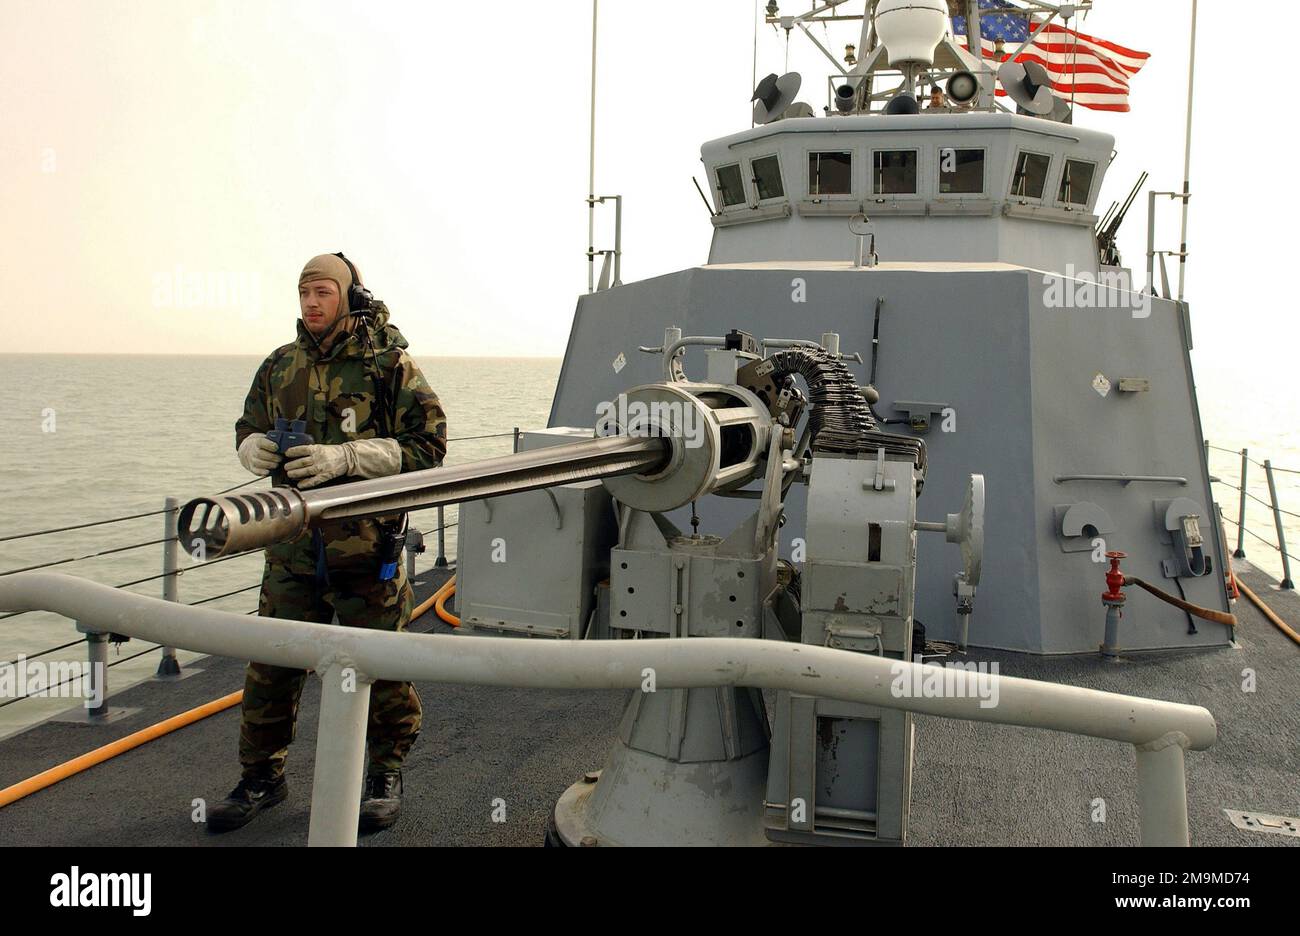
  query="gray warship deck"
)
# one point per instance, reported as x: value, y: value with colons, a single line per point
x: 973, y: 784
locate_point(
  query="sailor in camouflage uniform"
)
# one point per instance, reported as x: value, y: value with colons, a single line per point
x: 328, y: 377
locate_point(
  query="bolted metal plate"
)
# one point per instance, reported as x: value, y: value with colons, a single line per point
x: 1262, y: 822
x: 80, y: 716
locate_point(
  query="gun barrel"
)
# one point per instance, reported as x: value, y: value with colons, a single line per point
x: 235, y: 523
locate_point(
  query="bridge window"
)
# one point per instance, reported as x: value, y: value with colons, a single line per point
x: 731, y: 188
x: 894, y: 172
x: 767, y: 177
x: 830, y: 173
x: 1076, y: 182
x: 961, y: 171
x: 1030, y: 178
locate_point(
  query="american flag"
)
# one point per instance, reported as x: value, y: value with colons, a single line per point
x: 1091, y: 72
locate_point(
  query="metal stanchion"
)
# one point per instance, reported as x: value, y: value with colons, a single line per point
x: 169, y: 667
x: 1277, y: 522
x: 441, y: 560
x: 94, y: 709
x: 97, y: 697
x: 1241, y: 514
x: 340, y: 757
x: 414, y: 547
x: 1162, y: 793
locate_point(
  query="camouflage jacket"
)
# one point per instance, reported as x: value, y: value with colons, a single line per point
x: 335, y: 393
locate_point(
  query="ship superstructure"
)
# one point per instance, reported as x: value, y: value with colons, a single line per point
x: 954, y: 251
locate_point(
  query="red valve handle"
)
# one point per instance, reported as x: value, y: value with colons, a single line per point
x: 1114, y: 578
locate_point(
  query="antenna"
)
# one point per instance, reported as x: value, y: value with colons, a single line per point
x: 774, y: 95
x: 591, y: 178
x: 702, y: 196
x: 911, y: 29
x: 753, y: 72
x: 1187, y: 156
x: 1029, y: 85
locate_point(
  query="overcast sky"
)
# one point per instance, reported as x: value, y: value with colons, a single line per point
x: 146, y: 143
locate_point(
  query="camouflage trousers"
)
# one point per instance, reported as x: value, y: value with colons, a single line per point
x: 272, y: 693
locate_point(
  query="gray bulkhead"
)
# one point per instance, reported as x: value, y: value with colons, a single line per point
x: 1018, y: 377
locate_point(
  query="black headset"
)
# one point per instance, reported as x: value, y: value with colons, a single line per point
x: 360, y: 299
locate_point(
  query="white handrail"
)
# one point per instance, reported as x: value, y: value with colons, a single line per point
x: 1160, y: 731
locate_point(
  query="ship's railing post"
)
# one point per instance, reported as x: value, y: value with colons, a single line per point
x: 340, y: 756
x: 1240, y: 552
x: 440, y: 561
x: 1162, y: 792
x: 169, y: 666
x: 1152, y: 253
x: 97, y: 647
x: 612, y: 258
x: 515, y: 447
x: 414, y: 547
x: 1277, y: 522
x: 618, y: 240
x: 1151, y: 243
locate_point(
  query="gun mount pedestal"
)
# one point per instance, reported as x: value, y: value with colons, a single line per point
x: 689, y: 766
x: 710, y: 793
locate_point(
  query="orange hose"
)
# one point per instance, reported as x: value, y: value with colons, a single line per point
x: 447, y: 588
x: 120, y: 746
x: 1207, y: 614
x: 440, y: 604
x: 1268, y: 612
x: 1234, y: 591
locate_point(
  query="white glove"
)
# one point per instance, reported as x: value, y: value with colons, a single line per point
x: 259, y: 454
x: 313, y: 465
x: 375, y: 458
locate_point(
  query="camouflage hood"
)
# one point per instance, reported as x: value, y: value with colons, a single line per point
x: 349, y: 343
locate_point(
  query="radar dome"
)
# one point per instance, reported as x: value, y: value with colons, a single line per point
x: 911, y: 29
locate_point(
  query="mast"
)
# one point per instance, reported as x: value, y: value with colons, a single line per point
x: 1187, y: 156
x: 591, y: 177
x: 975, y: 43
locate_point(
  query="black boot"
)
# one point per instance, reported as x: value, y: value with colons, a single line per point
x: 381, y: 800
x: 245, y: 801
